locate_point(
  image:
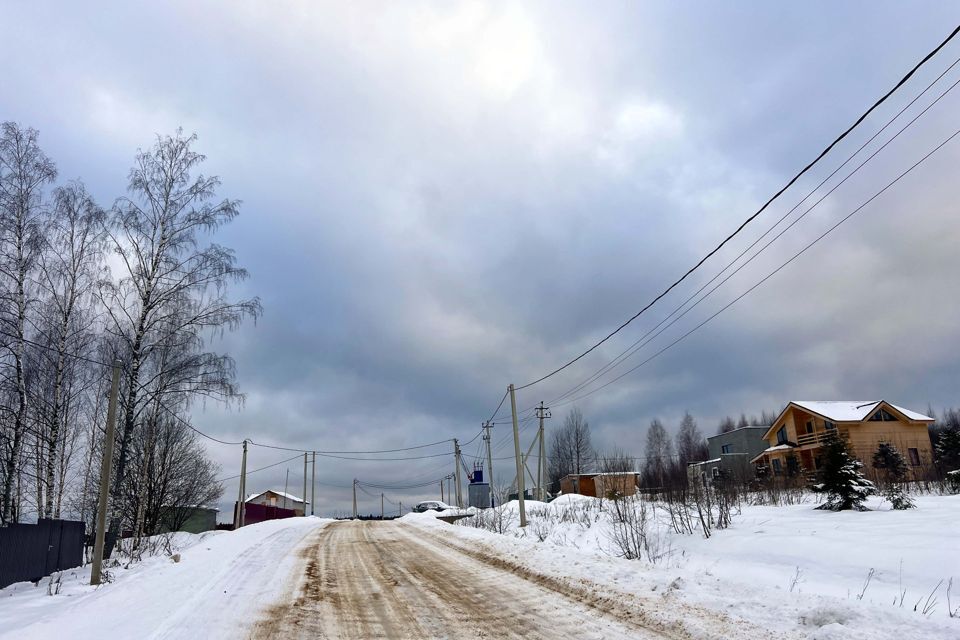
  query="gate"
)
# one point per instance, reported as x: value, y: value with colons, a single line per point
x: 32, y: 551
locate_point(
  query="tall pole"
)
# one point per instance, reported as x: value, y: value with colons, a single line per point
x: 381, y: 505
x: 400, y: 509
x: 516, y: 449
x: 354, y: 498
x: 441, y: 490
x: 313, y: 485
x: 486, y: 438
x: 456, y: 472
x: 286, y: 488
x: 304, y: 483
x: 542, y: 412
x: 243, y: 486
x: 105, y: 466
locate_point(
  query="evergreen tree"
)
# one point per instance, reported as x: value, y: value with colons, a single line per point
x: 948, y: 449
x: 894, y: 468
x: 841, y: 482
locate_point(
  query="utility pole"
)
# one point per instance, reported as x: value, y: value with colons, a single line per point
x: 441, y: 490
x: 542, y: 412
x: 456, y: 472
x: 354, y: 498
x: 286, y: 488
x: 516, y: 449
x: 105, y: 468
x: 313, y: 485
x: 381, y: 505
x: 486, y: 438
x: 400, y: 509
x: 243, y: 486
x: 304, y: 483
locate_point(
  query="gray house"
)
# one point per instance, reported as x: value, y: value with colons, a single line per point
x: 730, y: 455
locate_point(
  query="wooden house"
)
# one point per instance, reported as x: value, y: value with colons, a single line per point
x: 796, y: 438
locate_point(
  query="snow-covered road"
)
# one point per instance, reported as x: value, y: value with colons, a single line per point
x: 388, y: 580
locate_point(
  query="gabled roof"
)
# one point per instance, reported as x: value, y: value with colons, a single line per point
x: 846, y: 410
x: 852, y: 410
x: 288, y: 496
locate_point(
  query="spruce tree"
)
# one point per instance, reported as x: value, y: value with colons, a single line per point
x: 841, y: 482
x: 888, y: 459
x: 948, y: 450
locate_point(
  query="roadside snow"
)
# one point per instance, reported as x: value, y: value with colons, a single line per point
x: 217, y: 589
x: 790, y: 569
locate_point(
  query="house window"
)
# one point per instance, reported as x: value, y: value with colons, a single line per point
x: 782, y: 435
x: 727, y: 448
x: 715, y: 472
x: 777, y: 467
x: 882, y: 416
x: 817, y: 461
x: 829, y: 425
x: 914, y: 456
x: 809, y: 426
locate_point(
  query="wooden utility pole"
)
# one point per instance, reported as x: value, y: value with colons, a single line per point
x: 542, y: 412
x: 242, y: 500
x: 381, y: 505
x: 486, y: 438
x: 305, y: 483
x: 286, y: 488
x: 441, y: 490
x: 313, y: 484
x: 105, y: 466
x: 354, y: 498
x: 456, y: 472
x: 516, y: 449
x: 400, y: 509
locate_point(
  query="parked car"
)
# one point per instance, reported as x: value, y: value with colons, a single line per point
x: 431, y: 505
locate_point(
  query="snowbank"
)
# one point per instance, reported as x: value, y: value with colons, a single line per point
x: 790, y: 569
x: 216, y: 590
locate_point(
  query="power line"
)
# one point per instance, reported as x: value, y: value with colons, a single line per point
x: 775, y: 196
x: 643, y: 340
x: 774, y: 272
x: 269, y: 466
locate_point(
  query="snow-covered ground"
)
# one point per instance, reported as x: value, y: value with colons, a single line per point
x: 789, y: 568
x: 217, y: 589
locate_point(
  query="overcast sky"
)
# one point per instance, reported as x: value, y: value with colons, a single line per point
x: 442, y: 198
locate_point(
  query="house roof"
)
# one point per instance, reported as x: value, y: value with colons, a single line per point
x: 765, y: 427
x: 845, y: 410
x: 852, y: 410
x: 779, y: 447
x: 288, y: 496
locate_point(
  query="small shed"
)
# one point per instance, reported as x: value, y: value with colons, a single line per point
x: 271, y: 498
x: 601, y: 485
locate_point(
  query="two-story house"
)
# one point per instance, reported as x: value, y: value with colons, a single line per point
x: 796, y: 438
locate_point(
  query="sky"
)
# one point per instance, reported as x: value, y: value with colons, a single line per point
x: 441, y: 199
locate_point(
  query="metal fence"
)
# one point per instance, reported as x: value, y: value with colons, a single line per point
x: 32, y: 551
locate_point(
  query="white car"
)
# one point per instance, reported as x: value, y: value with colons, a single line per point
x: 431, y: 505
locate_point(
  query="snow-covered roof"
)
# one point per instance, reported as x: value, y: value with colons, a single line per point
x: 288, y: 496
x: 851, y: 410
x: 691, y: 464
x: 779, y: 447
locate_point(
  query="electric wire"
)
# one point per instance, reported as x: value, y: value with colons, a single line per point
x: 752, y: 217
x: 642, y: 340
x: 774, y: 272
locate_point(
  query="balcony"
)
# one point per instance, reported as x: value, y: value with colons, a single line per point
x: 817, y: 438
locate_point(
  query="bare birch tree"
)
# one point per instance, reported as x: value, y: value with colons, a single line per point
x: 172, y: 290
x: 24, y: 173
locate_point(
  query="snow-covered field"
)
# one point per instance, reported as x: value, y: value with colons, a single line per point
x: 795, y: 569
x: 217, y: 589
x: 789, y: 571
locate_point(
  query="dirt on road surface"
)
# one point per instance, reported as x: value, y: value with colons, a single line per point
x: 391, y: 580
